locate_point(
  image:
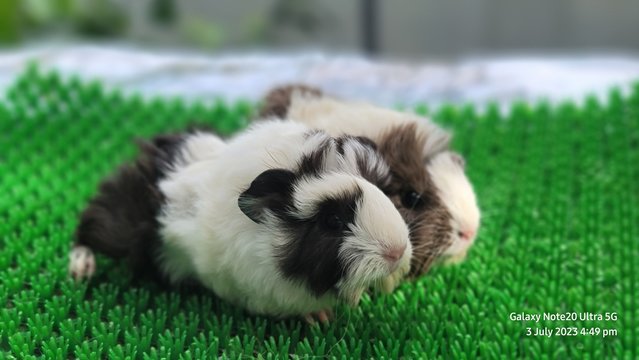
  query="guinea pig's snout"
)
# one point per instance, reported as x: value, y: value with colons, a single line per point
x: 394, y: 254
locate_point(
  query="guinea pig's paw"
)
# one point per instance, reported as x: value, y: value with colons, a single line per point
x: 323, y: 316
x: 81, y: 263
x: 390, y: 282
x: 354, y: 297
x: 393, y: 280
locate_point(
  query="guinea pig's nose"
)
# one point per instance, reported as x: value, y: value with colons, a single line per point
x: 467, y: 235
x: 393, y: 254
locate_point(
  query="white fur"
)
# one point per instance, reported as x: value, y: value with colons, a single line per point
x: 311, y: 189
x: 81, y: 262
x: 458, y: 196
x: 199, y: 146
x: 376, y: 231
x: 207, y: 236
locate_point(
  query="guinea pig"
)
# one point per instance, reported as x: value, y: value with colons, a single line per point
x: 278, y: 220
x: 429, y: 186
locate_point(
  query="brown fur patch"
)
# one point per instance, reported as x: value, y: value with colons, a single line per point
x: 278, y: 100
x: 429, y: 223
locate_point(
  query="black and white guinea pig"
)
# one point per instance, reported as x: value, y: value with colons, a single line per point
x: 429, y: 185
x: 278, y: 220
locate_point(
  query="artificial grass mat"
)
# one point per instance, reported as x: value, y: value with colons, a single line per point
x: 557, y: 186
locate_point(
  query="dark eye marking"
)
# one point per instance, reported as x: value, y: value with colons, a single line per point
x: 334, y: 222
x: 413, y: 200
x: 334, y: 216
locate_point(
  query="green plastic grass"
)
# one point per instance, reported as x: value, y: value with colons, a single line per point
x: 560, y: 197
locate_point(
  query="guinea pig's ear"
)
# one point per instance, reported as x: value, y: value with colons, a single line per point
x: 436, y: 139
x: 458, y: 159
x: 271, y: 190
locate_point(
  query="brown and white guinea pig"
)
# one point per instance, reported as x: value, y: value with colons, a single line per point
x: 429, y: 185
x: 278, y: 220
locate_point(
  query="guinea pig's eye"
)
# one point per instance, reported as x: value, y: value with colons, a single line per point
x: 412, y: 199
x: 334, y: 222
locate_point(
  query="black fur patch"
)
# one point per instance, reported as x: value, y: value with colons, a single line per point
x: 270, y: 190
x: 121, y: 220
x: 313, y: 164
x: 162, y: 151
x: 311, y: 255
x: 339, y: 142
